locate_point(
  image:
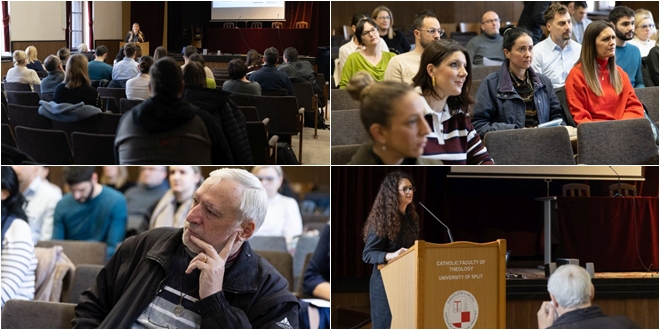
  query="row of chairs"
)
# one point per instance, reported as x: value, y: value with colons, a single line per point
x: 583, y: 190
x: 22, y: 94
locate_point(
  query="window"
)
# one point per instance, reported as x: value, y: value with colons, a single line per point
x: 606, y: 5
x: 76, y: 24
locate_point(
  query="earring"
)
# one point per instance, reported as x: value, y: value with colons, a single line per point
x: 384, y: 148
x: 433, y: 81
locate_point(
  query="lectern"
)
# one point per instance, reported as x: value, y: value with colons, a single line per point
x: 143, y: 45
x: 455, y: 285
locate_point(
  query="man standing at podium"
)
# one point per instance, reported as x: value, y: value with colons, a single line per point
x: 392, y: 227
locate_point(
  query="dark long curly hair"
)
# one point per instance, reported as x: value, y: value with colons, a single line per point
x: 385, y: 218
x: 14, y: 203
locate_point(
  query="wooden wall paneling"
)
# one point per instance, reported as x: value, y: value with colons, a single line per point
x: 44, y: 48
x: 112, y: 45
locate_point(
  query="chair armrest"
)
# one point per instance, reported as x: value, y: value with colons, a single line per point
x: 266, y: 121
x: 301, y: 111
x: 273, y: 141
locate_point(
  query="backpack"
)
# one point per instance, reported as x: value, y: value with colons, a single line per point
x: 285, y: 155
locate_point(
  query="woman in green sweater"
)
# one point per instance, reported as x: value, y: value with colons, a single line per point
x: 367, y: 59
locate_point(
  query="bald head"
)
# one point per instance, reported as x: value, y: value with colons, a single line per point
x: 52, y: 63
x: 490, y: 23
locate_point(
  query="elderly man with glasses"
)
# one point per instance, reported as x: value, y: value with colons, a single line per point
x: 404, y: 67
x: 489, y: 43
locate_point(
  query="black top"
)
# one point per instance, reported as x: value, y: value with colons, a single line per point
x: 36, y: 66
x: 592, y: 318
x: 398, y: 44
x: 86, y: 94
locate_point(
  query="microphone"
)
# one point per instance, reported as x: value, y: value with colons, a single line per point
x: 442, y: 223
x: 238, y: 19
x: 618, y: 194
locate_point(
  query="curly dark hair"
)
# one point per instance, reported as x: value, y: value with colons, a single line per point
x: 15, y: 202
x: 385, y: 218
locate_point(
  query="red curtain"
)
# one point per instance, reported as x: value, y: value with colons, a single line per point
x: 5, y: 23
x: 67, y: 31
x: 90, y: 16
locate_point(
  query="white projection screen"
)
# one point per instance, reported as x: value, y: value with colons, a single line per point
x: 629, y: 173
x: 232, y: 11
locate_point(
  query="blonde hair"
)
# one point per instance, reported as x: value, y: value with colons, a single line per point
x: 76, y: 72
x: 120, y: 180
x: 19, y: 57
x: 31, y: 53
x: 374, y: 16
x: 642, y: 14
x: 278, y: 170
x: 589, y: 63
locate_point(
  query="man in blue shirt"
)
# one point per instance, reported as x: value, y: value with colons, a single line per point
x: 97, y: 68
x: 126, y: 68
x: 268, y: 77
x: 90, y: 212
x: 628, y: 56
x: 555, y: 56
x: 580, y: 20
x: 53, y: 65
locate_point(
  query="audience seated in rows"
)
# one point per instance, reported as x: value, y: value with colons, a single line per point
x: 488, y: 44
x: 138, y: 88
x: 174, y: 206
x: 555, y: 56
x: 402, y: 68
x: 64, y: 54
x: 159, y: 53
x: 283, y: 217
x: 143, y: 198
x: 253, y: 60
x: 597, y: 89
x: 116, y: 177
x: 515, y: 96
x: 238, y: 84
x: 444, y: 82
x: 268, y: 77
x: 20, y: 73
x: 580, y: 21
x: 41, y: 197
x: 393, y: 115
x: 19, y: 262
x: 370, y: 58
x: 354, y: 45
x: 125, y: 69
x: 32, y: 60
x: 90, y: 211
x: 190, y: 51
x: 224, y: 112
x: 300, y: 72
x: 210, y: 81
x: 154, y: 130
x: 645, y: 30
x: 76, y: 86
x: 395, y: 40
x: 628, y: 57
x: 98, y: 69
x: 55, y: 74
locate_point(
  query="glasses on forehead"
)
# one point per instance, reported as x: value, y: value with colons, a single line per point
x: 494, y: 20
x: 646, y: 26
x: 366, y: 33
x: 407, y: 189
x: 434, y: 31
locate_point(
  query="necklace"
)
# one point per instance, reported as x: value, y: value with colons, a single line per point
x: 178, y: 309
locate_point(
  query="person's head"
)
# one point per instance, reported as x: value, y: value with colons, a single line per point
x: 623, y: 19
x: 518, y: 45
x: 145, y: 64
x: 570, y: 287
x: 490, y: 23
x: 271, y: 55
x: 570, y: 6
x: 579, y: 11
x: 197, y: 58
x: 12, y: 199
x: 81, y: 181
x: 184, y: 179
x: 427, y: 28
x: 189, y: 51
x: 599, y: 42
x: 120, y: 55
x: 64, y: 54
x: 76, y: 73
x: 392, y: 113
x: 165, y: 78
x: 384, y: 19
x: 229, y: 202
x: 444, y: 72
x: 356, y: 18
x: 135, y: 28
x: 194, y: 75
x: 152, y: 176
x: 253, y: 58
x: 367, y: 33
x: 130, y: 49
x: 237, y: 69
x: 290, y: 54
x: 271, y: 177
x: 159, y: 53
x: 394, y: 195
x: 53, y: 63
x: 114, y: 175
x: 101, y: 52
x: 644, y: 25
x: 31, y: 54
x: 82, y: 48
x: 558, y: 23
x: 20, y: 59
x: 25, y: 174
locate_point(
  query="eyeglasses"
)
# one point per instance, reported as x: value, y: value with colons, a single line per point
x: 266, y: 178
x: 384, y: 18
x: 434, y: 31
x: 646, y: 26
x: 366, y: 33
x: 494, y: 20
x: 407, y: 189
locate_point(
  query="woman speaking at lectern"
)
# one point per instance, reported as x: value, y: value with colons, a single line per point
x: 392, y: 227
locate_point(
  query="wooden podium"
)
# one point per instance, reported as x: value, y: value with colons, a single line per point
x: 143, y: 45
x: 459, y: 285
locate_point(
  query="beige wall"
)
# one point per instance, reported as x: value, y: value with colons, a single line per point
x: 108, y: 20
x: 36, y: 20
